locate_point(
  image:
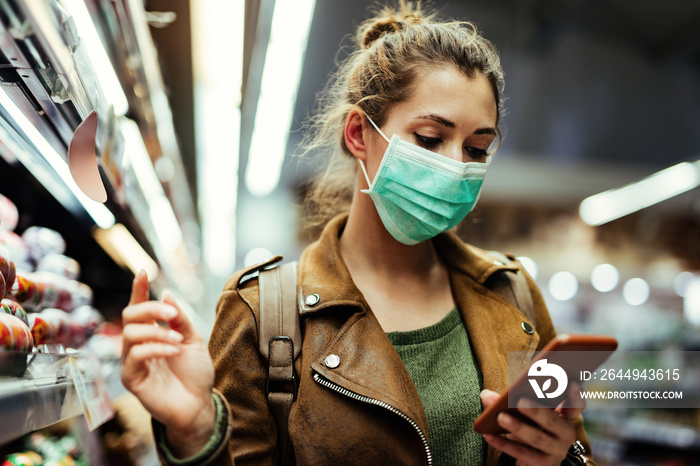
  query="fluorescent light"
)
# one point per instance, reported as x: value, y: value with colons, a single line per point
x: 135, y: 150
x: 635, y: 291
x: 217, y: 30
x: 125, y: 250
x: 99, y: 213
x: 563, y: 286
x: 530, y: 265
x: 163, y: 219
x: 104, y: 71
x: 605, y: 277
x: 278, y: 90
x: 616, y: 203
x: 165, y: 223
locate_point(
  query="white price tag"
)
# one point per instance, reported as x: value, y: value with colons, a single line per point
x: 91, y: 390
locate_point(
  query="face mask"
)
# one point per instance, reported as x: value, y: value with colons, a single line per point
x: 419, y: 193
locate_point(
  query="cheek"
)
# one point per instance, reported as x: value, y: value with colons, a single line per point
x: 375, y: 154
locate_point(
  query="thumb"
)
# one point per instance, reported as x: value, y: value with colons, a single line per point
x: 139, y: 288
x: 488, y: 397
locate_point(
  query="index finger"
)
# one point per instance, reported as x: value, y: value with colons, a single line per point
x: 139, y: 288
x: 574, y: 403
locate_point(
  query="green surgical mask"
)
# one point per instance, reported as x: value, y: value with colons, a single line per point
x: 419, y: 193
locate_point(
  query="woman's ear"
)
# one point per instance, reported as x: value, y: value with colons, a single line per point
x: 355, y: 133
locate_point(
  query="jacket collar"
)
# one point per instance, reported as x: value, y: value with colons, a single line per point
x: 322, y: 270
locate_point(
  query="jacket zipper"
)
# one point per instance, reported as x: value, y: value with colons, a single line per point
x: 365, y: 399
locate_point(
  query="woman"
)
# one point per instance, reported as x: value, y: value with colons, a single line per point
x: 400, y: 331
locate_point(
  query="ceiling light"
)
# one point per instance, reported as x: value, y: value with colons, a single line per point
x: 123, y: 248
x: 563, y: 286
x: 605, y: 277
x: 635, y: 291
x: 616, y: 203
x: 530, y: 265
x: 278, y: 90
x: 217, y: 31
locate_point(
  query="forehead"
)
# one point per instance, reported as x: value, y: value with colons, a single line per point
x: 453, y: 95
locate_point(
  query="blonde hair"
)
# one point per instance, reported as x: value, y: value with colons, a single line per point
x: 393, y: 48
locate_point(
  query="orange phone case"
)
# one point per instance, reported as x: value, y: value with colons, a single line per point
x: 603, y: 346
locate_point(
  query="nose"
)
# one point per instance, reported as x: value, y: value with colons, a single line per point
x: 454, y: 152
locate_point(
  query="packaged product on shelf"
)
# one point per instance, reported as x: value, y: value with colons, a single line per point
x: 81, y: 294
x: 13, y: 308
x: 61, y: 323
x: 7, y: 267
x: 17, y: 250
x: 84, y: 322
x: 60, y: 265
x: 23, y: 290
x: 15, y: 334
x: 44, y: 331
x: 41, y: 241
x: 9, y: 216
x: 25, y: 458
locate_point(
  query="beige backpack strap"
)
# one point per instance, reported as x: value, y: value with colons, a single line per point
x: 280, y: 343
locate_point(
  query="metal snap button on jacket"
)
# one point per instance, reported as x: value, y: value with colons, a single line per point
x: 332, y: 361
x: 312, y: 299
x: 527, y: 328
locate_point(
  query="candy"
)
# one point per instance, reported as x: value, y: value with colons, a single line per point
x: 13, y: 308
x: 26, y: 458
x: 2, y: 286
x: 61, y: 322
x: 84, y: 323
x: 14, y: 244
x: 43, y: 331
x: 9, y: 216
x: 81, y: 294
x: 23, y: 290
x: 14, y: 334
x: 7, y: 268
x: 41, y: 241
x: 60, y: 265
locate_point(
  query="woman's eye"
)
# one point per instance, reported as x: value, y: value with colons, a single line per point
x: 427, y: 142
x: 476, y: 153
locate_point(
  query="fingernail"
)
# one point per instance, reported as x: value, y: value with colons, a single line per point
x: 173, y: 349
x: 505, y: 420
x: 488, y: 437
x: 170, y: 312
x: 175, y: 336
x: 526, y: 403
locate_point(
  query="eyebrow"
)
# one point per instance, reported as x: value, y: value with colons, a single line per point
x: 448, y: 124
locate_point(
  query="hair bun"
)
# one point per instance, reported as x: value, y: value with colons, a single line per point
x: 387, y: 21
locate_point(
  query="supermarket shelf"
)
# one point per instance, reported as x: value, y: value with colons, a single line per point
x: 46, y: 395
x: 28, y: 405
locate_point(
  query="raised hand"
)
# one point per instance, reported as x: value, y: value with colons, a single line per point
x: 168, y: 369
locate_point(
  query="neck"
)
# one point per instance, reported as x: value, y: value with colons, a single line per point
x: 366, y: 245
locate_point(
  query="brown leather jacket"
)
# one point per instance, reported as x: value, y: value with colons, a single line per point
x: 367, y: 409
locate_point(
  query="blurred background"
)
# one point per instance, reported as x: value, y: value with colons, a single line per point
x: 200, y: 106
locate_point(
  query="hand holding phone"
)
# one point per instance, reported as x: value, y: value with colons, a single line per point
x: 548, y: 376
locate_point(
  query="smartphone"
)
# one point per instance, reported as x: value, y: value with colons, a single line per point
x: 566, y: 354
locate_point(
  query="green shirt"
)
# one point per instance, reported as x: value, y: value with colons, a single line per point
x: 440, y: 361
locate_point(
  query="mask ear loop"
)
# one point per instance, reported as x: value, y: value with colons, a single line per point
x: 379, y: 130
x: 364, y: 170
x: 362, y: 165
